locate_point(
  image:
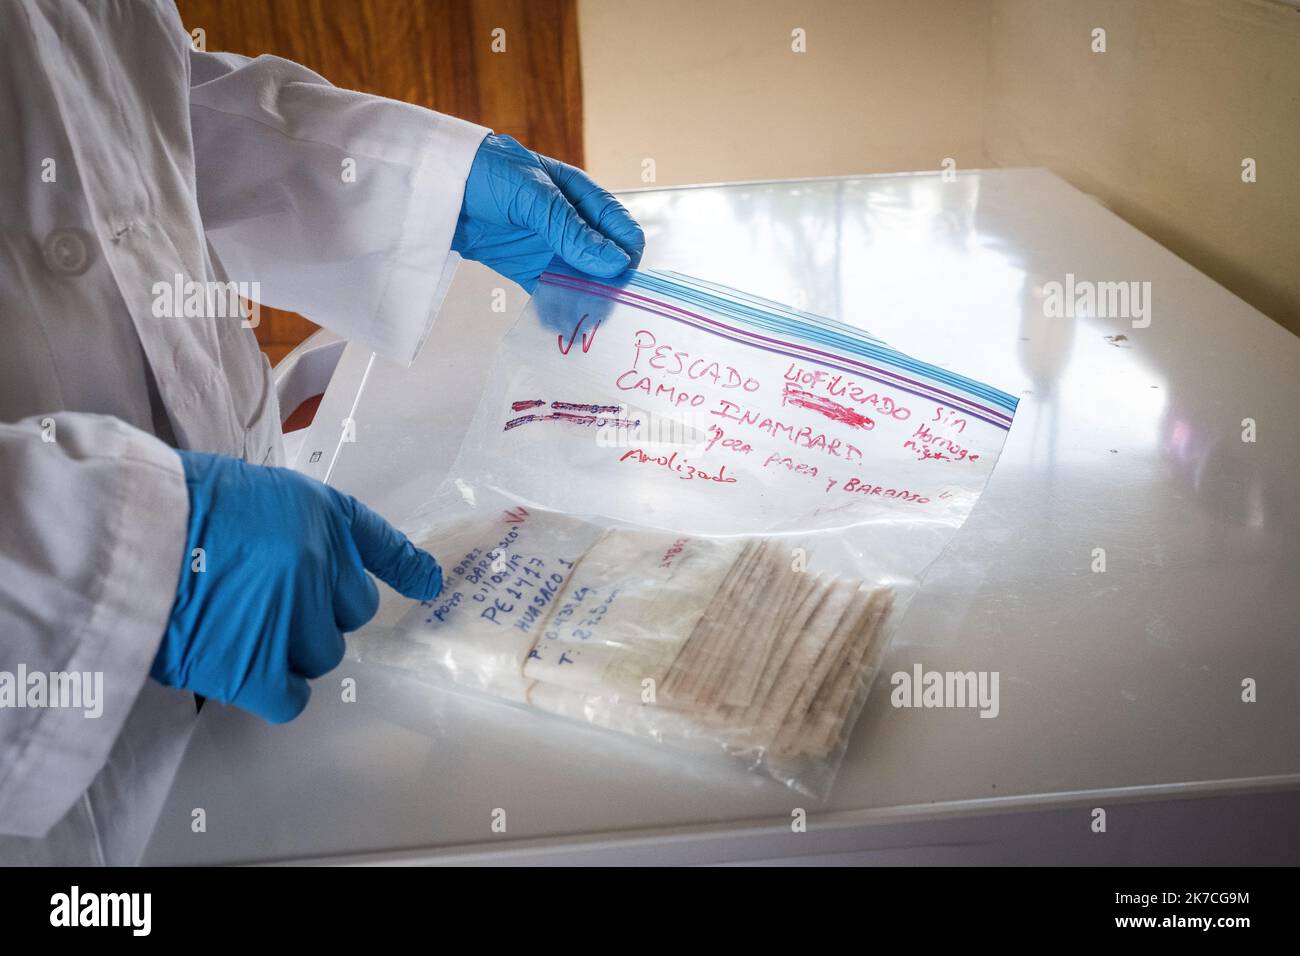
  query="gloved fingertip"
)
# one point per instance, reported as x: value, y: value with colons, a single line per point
x: 607, y: 261
x: 286, y: 706
x: 435, y: 582
x: 613, y: 255
x: 420, y: 577
x: 632, y: 242
x: 624, y: 230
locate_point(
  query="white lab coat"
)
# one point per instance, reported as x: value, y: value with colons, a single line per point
x: 129, y: 158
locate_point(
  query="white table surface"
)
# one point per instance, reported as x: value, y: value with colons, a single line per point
x: 1115, y: 687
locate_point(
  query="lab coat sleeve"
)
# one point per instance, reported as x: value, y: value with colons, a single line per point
x: 341, y: 205
x: 92, y: 540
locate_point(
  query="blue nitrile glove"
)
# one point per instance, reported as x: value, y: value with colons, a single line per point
x: 284, y: 565
x: 520, y: 209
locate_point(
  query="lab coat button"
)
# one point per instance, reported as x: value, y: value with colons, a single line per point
x: 67, y: 251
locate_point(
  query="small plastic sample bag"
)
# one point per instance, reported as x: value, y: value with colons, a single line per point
x: 695, y: 516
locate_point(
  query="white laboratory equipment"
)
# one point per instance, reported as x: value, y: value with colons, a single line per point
x: 1131, y: 573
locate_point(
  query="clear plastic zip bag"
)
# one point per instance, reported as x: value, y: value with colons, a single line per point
x: 695, y: 516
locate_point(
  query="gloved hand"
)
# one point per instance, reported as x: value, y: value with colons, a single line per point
x: 285, y: 561
x: 521, y: 209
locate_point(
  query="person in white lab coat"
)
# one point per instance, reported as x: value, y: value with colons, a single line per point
x: 133, y: 431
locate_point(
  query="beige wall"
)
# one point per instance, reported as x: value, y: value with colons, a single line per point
x: 711, y: 90
x: 1156, y: 127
